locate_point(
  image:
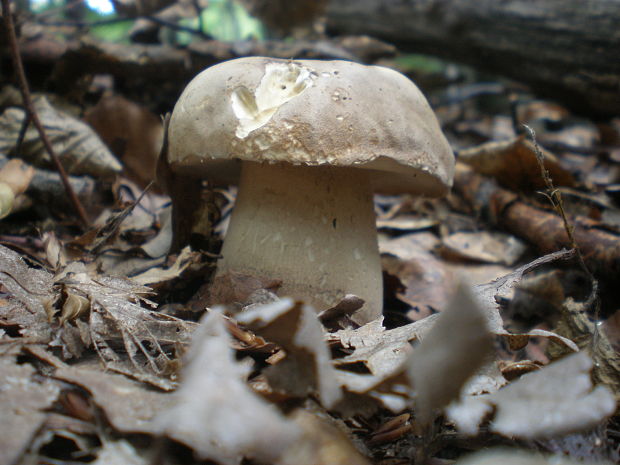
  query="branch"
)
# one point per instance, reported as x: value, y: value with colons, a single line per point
x: 32, y: 114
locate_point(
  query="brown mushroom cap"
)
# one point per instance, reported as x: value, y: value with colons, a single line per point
x: 310, y: 113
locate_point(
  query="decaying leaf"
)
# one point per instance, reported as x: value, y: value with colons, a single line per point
x: 427, y: 281
x: 115, y: 315
x: 214, y: 410
x: 458, y: 344
x: 484, y: 246
x: 131, y: 131
x: 129, y: 406
x: 513, y: 163
x: 121, y: 452
x: 29, y: 291
x: 486, y: 295
x: 76, y: 144
x: 157, y: 275
x: 555, y: 400
x: 516, y: 457
x: 320, y: 443
x: 23, y: 400
x: 296, y: 328
x: 382, y: 352
x: 575, y: 323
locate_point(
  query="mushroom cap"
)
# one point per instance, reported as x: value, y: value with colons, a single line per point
x: 310, y: 112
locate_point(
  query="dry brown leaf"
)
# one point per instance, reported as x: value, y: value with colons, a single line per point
x: 296, y: 328
x: 426, y: 279
x: 516, y: 457
x: 484, y: 246
x: 382, y: 353
x: 555, y: 400
x: 158, y: 275
x: 130, y: 406
x: 132, y: 133
x: 458, y: 344
x: 320, y: 443
x: 29, y: 292
x: 23, y: 401
x: 75, y: 143
x: 215, y: 412
x: 116, y: 318
x: 513, y: 163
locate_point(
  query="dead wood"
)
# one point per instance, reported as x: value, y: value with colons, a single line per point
x: 565, y: 49
x: 160, y: 71
x: 542, y: 228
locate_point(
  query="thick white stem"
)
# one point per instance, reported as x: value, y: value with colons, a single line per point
x: 313, y: 228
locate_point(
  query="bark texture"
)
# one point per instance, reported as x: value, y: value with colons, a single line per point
x: 565, y: 49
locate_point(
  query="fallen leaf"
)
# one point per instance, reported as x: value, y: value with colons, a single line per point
x: 515, y: 457
x: 320, y: 443
x: 296, y: 328
x: 75, y: 143
x: 215, y: 412
x: 23, y: 402
x: 513, y: 163
x: 129, y: 406
x: 458, y: 344
x: 119, y: 452
x: 484, y: 246
x: 131, y: 131
x: 555, y: 400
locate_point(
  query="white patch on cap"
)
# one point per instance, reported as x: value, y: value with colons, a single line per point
x: 281, y: 83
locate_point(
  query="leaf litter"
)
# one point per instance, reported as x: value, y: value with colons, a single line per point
x: 104, y: 357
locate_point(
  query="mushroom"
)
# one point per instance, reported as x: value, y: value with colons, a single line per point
x: 308, y: 142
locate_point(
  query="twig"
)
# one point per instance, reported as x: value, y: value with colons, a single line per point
x: 555, y: 198
x: 32, y: 114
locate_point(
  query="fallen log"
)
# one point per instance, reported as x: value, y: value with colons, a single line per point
x: 568, y: 50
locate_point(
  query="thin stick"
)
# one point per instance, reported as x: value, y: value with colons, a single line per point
x: 32, y: 114
x: 556, y: 200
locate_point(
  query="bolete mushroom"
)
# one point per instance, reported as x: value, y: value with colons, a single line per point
x: 308, y: 142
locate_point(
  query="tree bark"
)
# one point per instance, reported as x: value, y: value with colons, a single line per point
x: 564, y: 49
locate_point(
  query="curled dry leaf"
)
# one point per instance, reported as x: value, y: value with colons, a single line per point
x: 555, y: 400
x: 79, y: 148
x: 513, y: 163
x: 296, y: 328
x: 458, y: 344
x: 215, y: 412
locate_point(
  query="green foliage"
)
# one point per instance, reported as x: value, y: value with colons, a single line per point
x: 228, y: 20
x: 420, y: 63
x: 112, y: 31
